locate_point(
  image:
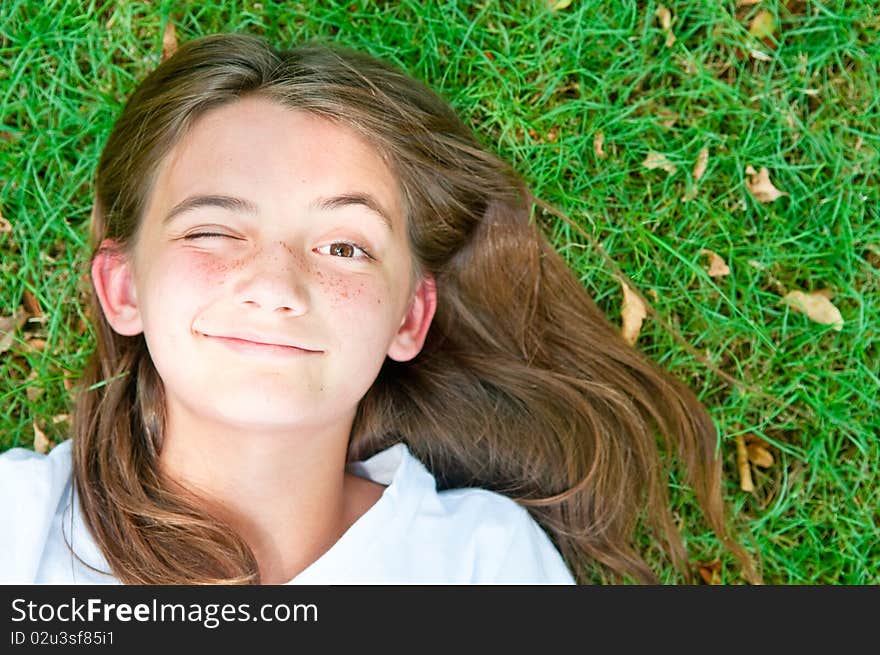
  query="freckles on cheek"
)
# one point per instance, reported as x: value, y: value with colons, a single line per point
x: 355, y: 294
x: 206, y: 270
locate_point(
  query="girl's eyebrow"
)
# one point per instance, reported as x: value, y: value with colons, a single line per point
x: 242, y: 205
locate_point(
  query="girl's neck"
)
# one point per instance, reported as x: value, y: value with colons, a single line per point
x: 286, y: 493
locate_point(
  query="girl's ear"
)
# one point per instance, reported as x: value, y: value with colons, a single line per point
x: 113, y: 278
x: 410, y: 337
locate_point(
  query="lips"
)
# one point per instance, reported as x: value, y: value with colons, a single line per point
x: 260, y: 339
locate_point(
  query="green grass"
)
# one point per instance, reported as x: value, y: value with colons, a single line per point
x: 537, y: 86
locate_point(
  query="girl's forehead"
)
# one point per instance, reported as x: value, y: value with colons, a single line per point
x: 256, y: 144
x: 258, y: 130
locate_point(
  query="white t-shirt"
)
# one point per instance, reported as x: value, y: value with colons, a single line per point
x: 411, y: 535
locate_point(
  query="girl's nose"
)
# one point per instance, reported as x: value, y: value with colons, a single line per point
x: 275, y: 279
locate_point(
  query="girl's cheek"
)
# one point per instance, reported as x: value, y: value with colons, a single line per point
x: 348, y: 292
x: 202, y: 269
x: 212, y: 269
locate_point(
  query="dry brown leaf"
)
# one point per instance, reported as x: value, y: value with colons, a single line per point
x: 169, y: 40
x: 9, y: 325
x: 760, y: 187
x: 717, y: 266
x: 669, y: 117
x: 41, y: 441
x: 665, y: 17
x: 632, y: 313
x: 759, y: 451
x: 31, y: 304
x: 58, y: 418
x: 598, y: 142
x: 5, y: 226
x: 37, y: 344
x: 760, y: 456
x: 702, y: 161
x: 747, y: 3
x: 816, y: 306
x: 710, y: 572
x: 657, y: 160
x: 742, y: 465
x: 33, y: 391
x: 763, y: 25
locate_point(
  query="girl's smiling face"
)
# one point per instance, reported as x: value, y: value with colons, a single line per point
x: 274, y: 226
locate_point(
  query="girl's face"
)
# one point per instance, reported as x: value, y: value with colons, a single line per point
x: 275, y: 226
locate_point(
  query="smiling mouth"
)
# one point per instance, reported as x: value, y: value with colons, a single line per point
x: 243, y: 345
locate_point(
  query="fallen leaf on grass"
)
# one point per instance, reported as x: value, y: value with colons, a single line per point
x: 742, y: 465
x: 657, y: 160
x: 700, y: 166
x: 759, y: 451
x: 760, y: 186
x: 31, y: 304
x: 5, y: 226
x: 817, y: 306
x: 717, y: 266
x: 710, y: 572
x: 37, y: 344
x: 670, y: 118
x: 169, y: 40
x: 42, y: 444
x: 33, y: 391
x: 598, y: 142
x: 632, y: 313
x: 747, y: 3
x: 763, y: 25
x: 561, y: 4
x: 665, y: 17
x: 8, y: 327
x: 697, y: 173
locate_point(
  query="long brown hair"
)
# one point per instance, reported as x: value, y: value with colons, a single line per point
x: 523, y: 386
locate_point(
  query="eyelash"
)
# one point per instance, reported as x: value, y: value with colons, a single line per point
x: 199, y: 235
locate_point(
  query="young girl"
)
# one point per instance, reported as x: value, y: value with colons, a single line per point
x: 333, y: 348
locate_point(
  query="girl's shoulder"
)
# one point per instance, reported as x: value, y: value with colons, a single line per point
x: 31, y: 488
x: 478, y: 535
x: 22, y: 469
x: 511, y: 547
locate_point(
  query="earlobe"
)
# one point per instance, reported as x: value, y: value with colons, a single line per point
x: 414, y: 329
x: 113, y: 279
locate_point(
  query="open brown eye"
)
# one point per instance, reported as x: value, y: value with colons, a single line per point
x: 342, y: 248
x: 346, y: 250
